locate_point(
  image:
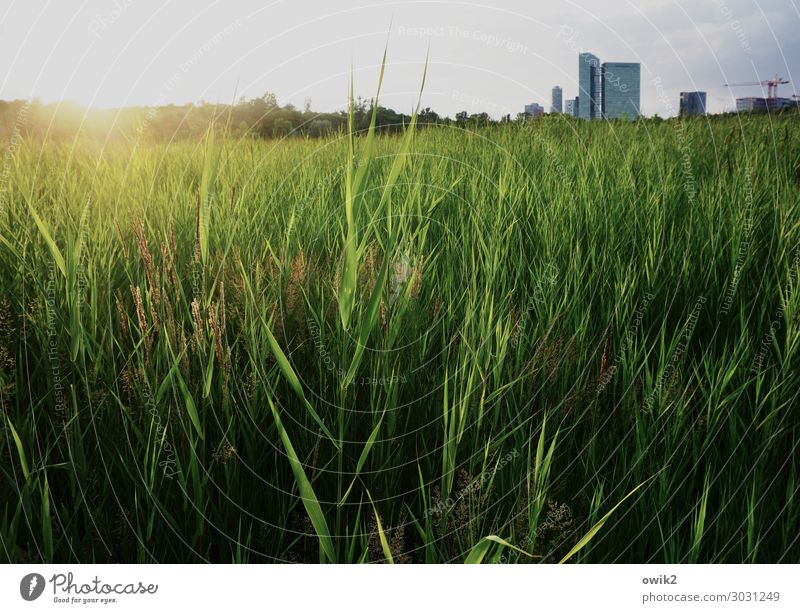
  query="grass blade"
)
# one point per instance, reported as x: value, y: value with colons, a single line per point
x: 307, y: 494
x: 599, y: 525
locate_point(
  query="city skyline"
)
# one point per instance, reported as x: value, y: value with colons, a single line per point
x: 115, y: 53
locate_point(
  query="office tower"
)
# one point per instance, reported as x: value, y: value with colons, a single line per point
x: 621, y: 90
x: 588, y: 86
x: 555, y: 107
x: 693, y: 103
x: 569, y: 107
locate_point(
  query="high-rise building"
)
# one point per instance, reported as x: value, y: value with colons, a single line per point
x: 693, y: 103
x: 555, y: 106
x: 621, y: 90
x: 570, y: 107
x: 588, y: 86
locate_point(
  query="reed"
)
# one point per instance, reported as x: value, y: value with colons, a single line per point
x: 349, y: 347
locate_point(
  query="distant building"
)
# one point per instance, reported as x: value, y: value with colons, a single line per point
x: 571, y: 107
x: 763, y: 104
x: 777, y: 104
x: 555, y: 106
x: 751, y: 104
x: 693, y: 103
x: 534, y: 110
x: 621, y: 93
x: 588, y: 86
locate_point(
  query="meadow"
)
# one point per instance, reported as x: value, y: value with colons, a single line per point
x: 543, y: 341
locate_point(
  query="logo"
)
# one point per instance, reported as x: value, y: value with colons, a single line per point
x: 31, y: 586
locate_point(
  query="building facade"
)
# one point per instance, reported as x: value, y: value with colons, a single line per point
x: 555, y: 106
x: 588, y: 86
x: 571, y: 107
x: 692, y: 103
x: 763, y: 104
x: 621, y: 90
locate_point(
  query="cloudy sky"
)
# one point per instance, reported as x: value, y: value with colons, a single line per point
x: 492, y: 57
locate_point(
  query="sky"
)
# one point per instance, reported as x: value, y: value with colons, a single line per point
x: 493, y: 57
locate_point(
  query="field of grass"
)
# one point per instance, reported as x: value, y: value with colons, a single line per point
x: 254, y: 351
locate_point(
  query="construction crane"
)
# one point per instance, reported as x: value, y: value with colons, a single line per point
x: 771, y: 85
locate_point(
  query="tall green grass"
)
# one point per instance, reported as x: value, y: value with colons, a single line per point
x: 343, y: 350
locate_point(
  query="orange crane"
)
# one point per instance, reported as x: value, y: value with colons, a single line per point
x: 771, y: 85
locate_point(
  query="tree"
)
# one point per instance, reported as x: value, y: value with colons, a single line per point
x: 282, y: 127
x: 479, y: 119
x: 427, y: 115
x: 319, y: 127
x: 269, y: 99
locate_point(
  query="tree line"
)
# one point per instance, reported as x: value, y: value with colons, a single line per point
x: 260, y: 117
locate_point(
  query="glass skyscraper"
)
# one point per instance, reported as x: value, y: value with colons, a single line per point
x: 693, y: 103
x: 621, y: 90
x: 555, y: 106
x: 588, y: 86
